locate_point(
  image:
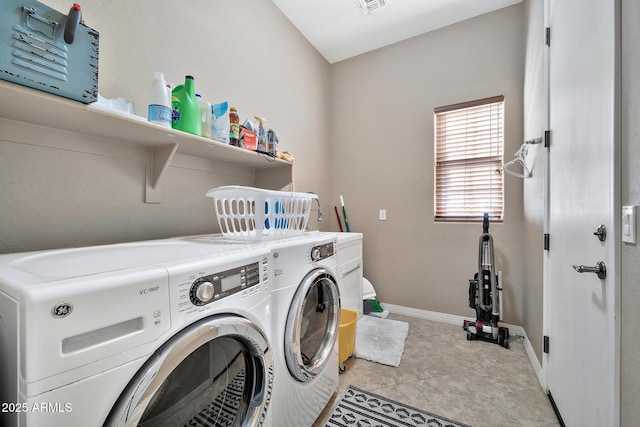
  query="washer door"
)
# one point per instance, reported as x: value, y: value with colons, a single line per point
x: 312, y: 325
x: 216, y: 371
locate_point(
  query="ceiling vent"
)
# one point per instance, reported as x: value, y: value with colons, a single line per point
x: 368, y: 6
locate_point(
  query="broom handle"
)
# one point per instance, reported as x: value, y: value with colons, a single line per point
x: 338, y: 216
x: 344, y: 213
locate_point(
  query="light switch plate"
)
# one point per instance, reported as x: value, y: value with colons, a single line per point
x: 383, y: 215
x: 629, y: 233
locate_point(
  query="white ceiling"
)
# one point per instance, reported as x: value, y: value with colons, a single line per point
x: 338, y: 30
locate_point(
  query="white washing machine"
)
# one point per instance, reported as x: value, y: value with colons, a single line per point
x: 306, y: 318
x: 166, y: 332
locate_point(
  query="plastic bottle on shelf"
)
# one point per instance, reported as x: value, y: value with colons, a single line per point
x: 234, y: 127
x: 261, y: 145
x: 272, y: 142
x: 205, y: 116
x: 159, y: 110
x: 186, y: 111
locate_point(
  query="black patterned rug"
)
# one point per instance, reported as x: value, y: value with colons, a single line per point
x: 359, y: 408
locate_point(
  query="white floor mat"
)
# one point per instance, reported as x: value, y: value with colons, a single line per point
x: 380, y: 340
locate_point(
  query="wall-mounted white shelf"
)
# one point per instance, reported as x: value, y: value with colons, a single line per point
x: 27, y: 105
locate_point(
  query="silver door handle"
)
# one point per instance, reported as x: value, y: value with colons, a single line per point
x: 600, y: 269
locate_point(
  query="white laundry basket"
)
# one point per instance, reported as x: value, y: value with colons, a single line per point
x: 248, y: 213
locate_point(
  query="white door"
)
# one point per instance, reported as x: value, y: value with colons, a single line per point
x: 580, y: 308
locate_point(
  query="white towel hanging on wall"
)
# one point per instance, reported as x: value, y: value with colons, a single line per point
x: 523, y: 159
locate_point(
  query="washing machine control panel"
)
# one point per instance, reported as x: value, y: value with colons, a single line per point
x: 320, y: 252
x: 216, y: 286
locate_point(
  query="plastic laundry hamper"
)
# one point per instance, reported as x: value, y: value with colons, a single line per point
x: 346, y: 335
x: 248, y: 213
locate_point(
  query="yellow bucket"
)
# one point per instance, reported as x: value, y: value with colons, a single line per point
x: 347, y: 334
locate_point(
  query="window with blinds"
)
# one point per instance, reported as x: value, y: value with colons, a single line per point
x: 469, y: 141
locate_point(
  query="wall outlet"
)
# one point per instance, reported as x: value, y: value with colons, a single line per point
x: 383, y: 215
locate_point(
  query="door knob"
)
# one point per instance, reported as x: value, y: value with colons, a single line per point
x: 600, y: 269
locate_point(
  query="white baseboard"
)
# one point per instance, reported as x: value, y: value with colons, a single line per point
x: 533, y: 359
x: 453, y: 319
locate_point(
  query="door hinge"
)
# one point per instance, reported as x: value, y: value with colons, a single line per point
x: 547, y: 36
x: 545, y: 241
x: 546, y: 344
x: 547, y: 138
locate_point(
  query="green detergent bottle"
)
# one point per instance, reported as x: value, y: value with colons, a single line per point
x: 186, y: 111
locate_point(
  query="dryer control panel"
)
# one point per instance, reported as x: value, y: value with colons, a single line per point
x: 320, y: 252
x: 216, y: 286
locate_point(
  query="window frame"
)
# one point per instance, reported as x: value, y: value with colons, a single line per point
x: 460, y: 163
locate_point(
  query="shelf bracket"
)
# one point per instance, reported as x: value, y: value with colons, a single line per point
x: 157, y: 164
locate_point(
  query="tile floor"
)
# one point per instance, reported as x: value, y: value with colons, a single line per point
x: 474, y: 382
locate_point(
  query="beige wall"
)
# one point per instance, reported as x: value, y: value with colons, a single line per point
x: 382, y: 152
x: 533, y: 202
x: 630, y: 254
x: 362, y: 128
x: 244, y: 51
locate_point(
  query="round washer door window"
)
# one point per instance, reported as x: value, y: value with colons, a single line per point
x: 312, y: 325
x: 215, y: 372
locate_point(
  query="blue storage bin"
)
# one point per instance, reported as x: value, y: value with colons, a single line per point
x: 46, y: 50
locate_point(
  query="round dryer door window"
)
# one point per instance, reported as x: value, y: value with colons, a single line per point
x: 312, y: 325
x: 216, y: 372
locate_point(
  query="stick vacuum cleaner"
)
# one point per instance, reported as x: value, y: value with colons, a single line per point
x: 485, y: 295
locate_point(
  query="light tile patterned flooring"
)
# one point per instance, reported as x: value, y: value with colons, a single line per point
x: 473, y: 382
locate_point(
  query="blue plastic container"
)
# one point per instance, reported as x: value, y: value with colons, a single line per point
x: 47, y: 50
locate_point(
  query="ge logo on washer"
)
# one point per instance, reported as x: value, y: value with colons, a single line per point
x: 62, y: 309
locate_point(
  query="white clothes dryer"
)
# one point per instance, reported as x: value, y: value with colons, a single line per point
x: 165, y: 332
x: 306, y: 317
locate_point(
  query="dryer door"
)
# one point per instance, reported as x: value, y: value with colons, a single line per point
x: 312, y: 325
x: 215, y: 372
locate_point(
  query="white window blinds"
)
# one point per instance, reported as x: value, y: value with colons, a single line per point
x: 469, y: 140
